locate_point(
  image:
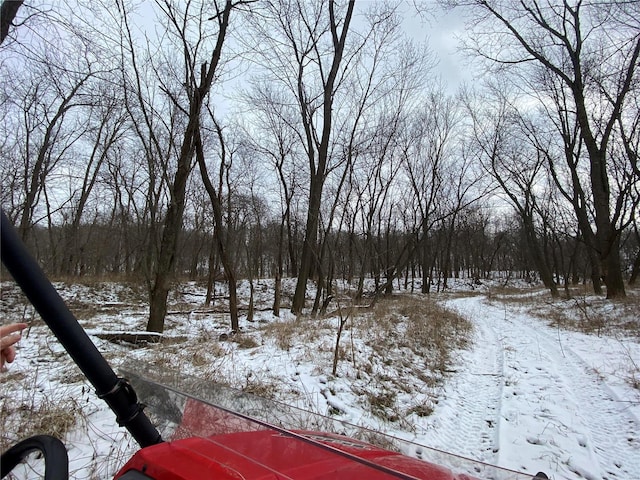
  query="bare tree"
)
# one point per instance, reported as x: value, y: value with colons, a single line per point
x: 635, y: 269
x: 462, y: 190
x: 223, y: 244
x: 275, y: 138
x: 378, y: 91
x: 426, y: 153
x: 569, y: 180
x: 186, y: 91
x: 517, y: 167
x: 572, y: 43
x: 106, y: 126
x: 304, y: 44
x: 43, y: 126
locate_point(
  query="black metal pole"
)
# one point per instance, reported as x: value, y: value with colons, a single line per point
x: 116, y: 391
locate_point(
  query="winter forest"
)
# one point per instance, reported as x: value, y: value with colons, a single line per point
x: 318, y: 140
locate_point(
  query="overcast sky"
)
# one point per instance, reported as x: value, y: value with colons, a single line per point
x: 441, y: 31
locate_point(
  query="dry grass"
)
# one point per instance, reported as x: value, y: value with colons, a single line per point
x: 375, y: 338
x: 284, y: 332
x: 433, y: 328
x: 598, y: 316
x: 374, y: 438
x: 260, y: 388
x: 388, y: 330
x: 50, y: 413
x: 383, y: 404
x: 429, y: 330
x: 632, y: 376
x: 421, y: 410
x: 244, y: 341
x: 582, y: 311
x: 86, y: 298
x: 515, y: 292
x: 427, y: 333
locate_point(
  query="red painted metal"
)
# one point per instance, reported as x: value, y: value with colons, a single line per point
x: 271, y: 454
x: 212, y: 442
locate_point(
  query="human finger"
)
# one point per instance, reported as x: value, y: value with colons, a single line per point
x: 12, y: 328
x: 8, y: 354
x: 8, y: 340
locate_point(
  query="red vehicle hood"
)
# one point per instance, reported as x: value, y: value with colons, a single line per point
x: 221, y: 433
x: 269, y: 454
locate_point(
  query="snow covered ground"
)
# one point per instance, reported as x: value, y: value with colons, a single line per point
x: 531, y: 397
x: 519, y: 394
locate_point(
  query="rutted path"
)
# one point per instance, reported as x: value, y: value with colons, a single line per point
x: 544, y: 406
x: 469, y: 415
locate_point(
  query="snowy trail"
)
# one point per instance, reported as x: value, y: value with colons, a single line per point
x: 470, y: 412
x: 546, y: 407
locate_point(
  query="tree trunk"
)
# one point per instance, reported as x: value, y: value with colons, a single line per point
x: 277, y: 295
x: 223, y: 251
x: 538, y: 257
x: 635, y: 270
x: 309, y: 245
x: 613, y: 277
x: 172, y: 227
x: 211, y: 276
x: 8, y: 11
x: 607, y: 237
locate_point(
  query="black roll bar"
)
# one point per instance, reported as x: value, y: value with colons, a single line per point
x: 117, y: 392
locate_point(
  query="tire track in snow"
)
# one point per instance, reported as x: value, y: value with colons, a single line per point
x: 466, y: 420
x: 555, y: 414
x: 605, y: 431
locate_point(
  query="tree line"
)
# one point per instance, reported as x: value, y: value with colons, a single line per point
x: 314, y: 140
